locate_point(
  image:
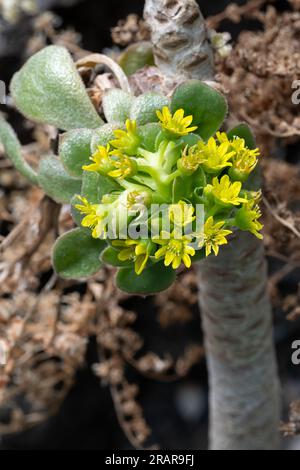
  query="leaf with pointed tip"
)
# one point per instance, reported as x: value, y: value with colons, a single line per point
x: 116, y: 105
x: 110, y: 256
x: 49, y: 89
x: 207, y: 106
x: 95, y: 186
x: 144, y: 107
x: 56, y: 182
x: 75, y: 150
x: 104, y: 135
x: 13, y: 150
x: 136, y: 56
x: 154, y: 279
x: 77, y: 255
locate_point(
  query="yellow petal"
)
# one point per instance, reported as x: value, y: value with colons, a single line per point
x: 190, y: 250
x: 125, y: 254
x: 169, y: 258
x: 192, y: 129
x: 140, y: 249
x: 140, y: 264
x: 166, y: 113
x: 176, y: 262
x: 187, y: 121
x: 159, y: 115
x: 187, y: 260
x: 207, y: 249
x: 161, y: 252
x: 215, y: 249
x: 178, y: 116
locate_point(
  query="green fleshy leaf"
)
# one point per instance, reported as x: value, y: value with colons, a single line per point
x: 104, y: 135
x: 56, y: 182
x: 75, y: 150
x: 199, y: 178
x: 161, y: 136
x: 190, y: 139
x: 244, y: 132
x: 13, y: 150
x: 95, y: 186
x: 116, y: 105
x: 207, y: 106
x: 136, y: 57
x: 49, y: 89
x: 198, y: 191
x: 145, y: 106
x: 76, y: 214
x: 182, y: 188
x: 77, y: 255
x: 110, y: 256
x: 156, y: 278
x: 148, y: 134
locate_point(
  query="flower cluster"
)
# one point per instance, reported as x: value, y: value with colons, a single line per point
x: 168, y: 163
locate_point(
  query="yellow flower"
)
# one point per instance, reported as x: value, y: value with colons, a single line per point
x: 181, y: 214
x: 124, y: 166
x: 138, y: 198
x: 214, y: 236
x: 225, y: 192
x: 222, y: 137
x: 247, y: 217
x: 177, y: 124
x: 127, y: 141
x: 95, y: 217
x: 135, y: 250
x: 244, y: 160
x: 102, y: 161
x: 112, y: 163
x: 191, y: 159
x: 174, y: 250
x: 85, y: 207
x: 214, y: 157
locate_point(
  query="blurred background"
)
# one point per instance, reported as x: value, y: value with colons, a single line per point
x: 165, y: 391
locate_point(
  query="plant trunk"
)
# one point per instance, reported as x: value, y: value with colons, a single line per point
x: 235, y: 308
x: 237, y: 322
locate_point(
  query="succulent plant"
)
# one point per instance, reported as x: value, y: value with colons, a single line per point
x: 151, y: 151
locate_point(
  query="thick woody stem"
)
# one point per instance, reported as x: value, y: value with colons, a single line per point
x: 236, y: 311
x: 179, y: 37
x: 237, y: 321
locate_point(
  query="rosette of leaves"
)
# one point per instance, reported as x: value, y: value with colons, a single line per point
x: 150, y: 149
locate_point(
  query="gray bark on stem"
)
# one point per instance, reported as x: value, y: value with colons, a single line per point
x: 235, y: 308
x: 179, y: 37
x: 237, y: 322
